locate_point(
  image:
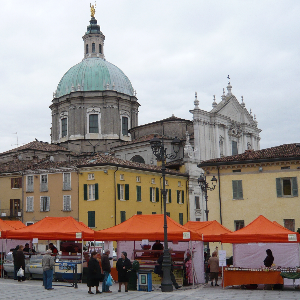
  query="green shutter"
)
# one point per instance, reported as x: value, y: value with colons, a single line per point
x: 151, y: 194
x: 85, y: 192
x: 240, y: 189
x: 234, y: 189
x: 123, y: 216
x: 126, y: 191
x: 182, y: 198
x: 138, y: 193
x: 294, y: 186
x: 181, y: 218
x: 278, y: 187
x: 178, y: 196
x: 91, y: 219
x: 170, y: 196
x: 96, y: 191
x: 157, y: 195
x: 118, y: 187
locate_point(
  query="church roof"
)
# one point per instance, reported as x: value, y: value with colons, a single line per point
x: 280, y: 153
x: 94, y: 74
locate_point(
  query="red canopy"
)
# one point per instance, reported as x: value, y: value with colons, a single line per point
x: 211, y: 230
x: 4, y: 228
x: 149, y: 227
x: 261, y: 230
x: 54, y: 228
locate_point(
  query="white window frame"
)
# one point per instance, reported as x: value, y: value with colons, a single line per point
x: 180, y: 196
x: 30, y: 204
x: 122, y: 192
x: 66, y: 199
x: 121, y: 176
x: 44, y: 185
x: 152, y: 180
x: 91, y: 176
x: 166, y: 182
x: 42, y: 205
x: 126, y: 115
x: 138, y: 178
x: 91, y: 192
x: 153, y: 194
x: 167, y: 196
x: 93, y: 111
x: 179, y: 183
x: 67, y: 184
x: 63, y: 115
x: 29, y: 187
x: 29, y: 223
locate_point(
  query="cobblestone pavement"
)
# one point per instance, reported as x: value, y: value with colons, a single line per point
x: 33, y: 290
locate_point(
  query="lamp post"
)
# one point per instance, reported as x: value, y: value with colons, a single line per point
x: 160, y: 152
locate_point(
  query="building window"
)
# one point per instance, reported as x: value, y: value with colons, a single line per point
x: 123, y: 191
x: 152, y: 180
x: 138, y: 178
x: 138, y: 159
x: 181, y: 218
x: 124, y: 126
x: 179, y: 183
x: 121, y: 176
x: 90, y: 191
x: 154, y: 213
x: 285, y: 168
x: 238, y: 224
x: 197, y: 202
x: 15, y: 208
x: 45, y: 203
x: 138, y: 193
x: 166, y: 182
x: 67, y: 203
x: 91, y: 219
x: 100, y: 48
x: 93, y: 123
x: 237, y: 189
x: 93, y: 48
x: 64, y: 127
x: 287, y: 187
x: 86, y: 49
x: 154, y: 194
x: 168, y: 196
x: 29, y: 223
x: 289, y: 224
x: 168, y: 214
x: 180, y: 197
x: 16, y: 183
x: 44, y: 183
x: 91, y: 176
x: 234, y: 148
x: 138, y: 212
x: 123, y: 216
x: 66, y: 181
x: 198, y: 219
x: 29, y: 204
x: 29, y: 183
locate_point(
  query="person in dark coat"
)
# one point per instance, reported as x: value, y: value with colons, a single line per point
x: 20, y: 262
x: 268, y: 262
x: 122, y: 266
x: 14, y: 252
x: 94, y: 273
x: 106, y: 270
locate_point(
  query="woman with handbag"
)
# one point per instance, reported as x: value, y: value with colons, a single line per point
x: 20, y: 263
x: 94, y: 273
x: 122, y: 266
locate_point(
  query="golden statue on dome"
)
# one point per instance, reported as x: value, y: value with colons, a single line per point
x: 93, y: 9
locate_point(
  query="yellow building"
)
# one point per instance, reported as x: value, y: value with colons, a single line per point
x: 262, y: 182
x: 112, y: 190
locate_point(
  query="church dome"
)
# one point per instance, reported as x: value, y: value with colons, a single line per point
x: 94, y: 74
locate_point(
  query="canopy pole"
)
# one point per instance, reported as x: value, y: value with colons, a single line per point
x: 82, y: 257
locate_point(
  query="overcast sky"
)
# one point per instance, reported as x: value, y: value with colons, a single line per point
x: 168, y: 49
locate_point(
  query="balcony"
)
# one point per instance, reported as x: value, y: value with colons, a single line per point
x: 10, y: 214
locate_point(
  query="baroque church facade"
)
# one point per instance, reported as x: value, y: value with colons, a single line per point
x: 95, y: 110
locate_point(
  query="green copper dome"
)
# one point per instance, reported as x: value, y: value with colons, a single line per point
x: 94, y: 74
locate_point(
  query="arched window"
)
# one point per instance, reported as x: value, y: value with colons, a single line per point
x: 138, y: 159
x: 100, y: 48
x: 93, y: 48
x: 86, y: 48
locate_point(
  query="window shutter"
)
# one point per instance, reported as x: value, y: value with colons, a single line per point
x: 295, y: 186
x: 41, y: 204
x: 11, y: 182
x: 151, y: 194
x: 96, y: 191
x: 178, y: 196
x: 278, y: 187
x: 181, y: 218
x: 157, y: 195
x: 138, y: 193
x: 47, y: 203
x: 91, y: 218
x: 118, y: 188
x: 182, y: 197
x: 170, y: 197
x: 20, y: 182
x: 240, y: 189
x: 234, y: 189
x: 126, y: 191
x: 85, y: 191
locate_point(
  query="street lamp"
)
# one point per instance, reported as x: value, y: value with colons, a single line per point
x: 160, y: 152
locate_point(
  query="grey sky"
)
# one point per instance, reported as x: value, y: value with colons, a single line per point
x: 168, y: 49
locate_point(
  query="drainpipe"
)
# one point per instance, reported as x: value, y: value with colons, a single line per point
x: 115, y: 195
x: 220, y: 203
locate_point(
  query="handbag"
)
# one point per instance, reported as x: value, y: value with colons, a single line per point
x: 20, y: 273
x: 109, y: 280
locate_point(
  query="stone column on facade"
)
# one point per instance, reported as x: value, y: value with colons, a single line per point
x: 227, y: 148
x: 252, y: 141
x: 217, y: 141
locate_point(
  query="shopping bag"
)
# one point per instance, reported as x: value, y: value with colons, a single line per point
x: 109, y: 280
x: 20, y: 273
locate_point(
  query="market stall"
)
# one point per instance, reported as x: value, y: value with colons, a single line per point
x: 133, y: 231
x: 249, y: 250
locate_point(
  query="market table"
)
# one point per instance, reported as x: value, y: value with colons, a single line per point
x: 251, y: 277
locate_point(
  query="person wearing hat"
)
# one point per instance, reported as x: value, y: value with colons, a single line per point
x: 47, y: 264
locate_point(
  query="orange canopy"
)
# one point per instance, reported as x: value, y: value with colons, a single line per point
x: 261, y: 230
x: 149, y: 227
x: 4, y: 228
x: 54, y: 228
x: 211, y: 230
x: 15, y: 224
